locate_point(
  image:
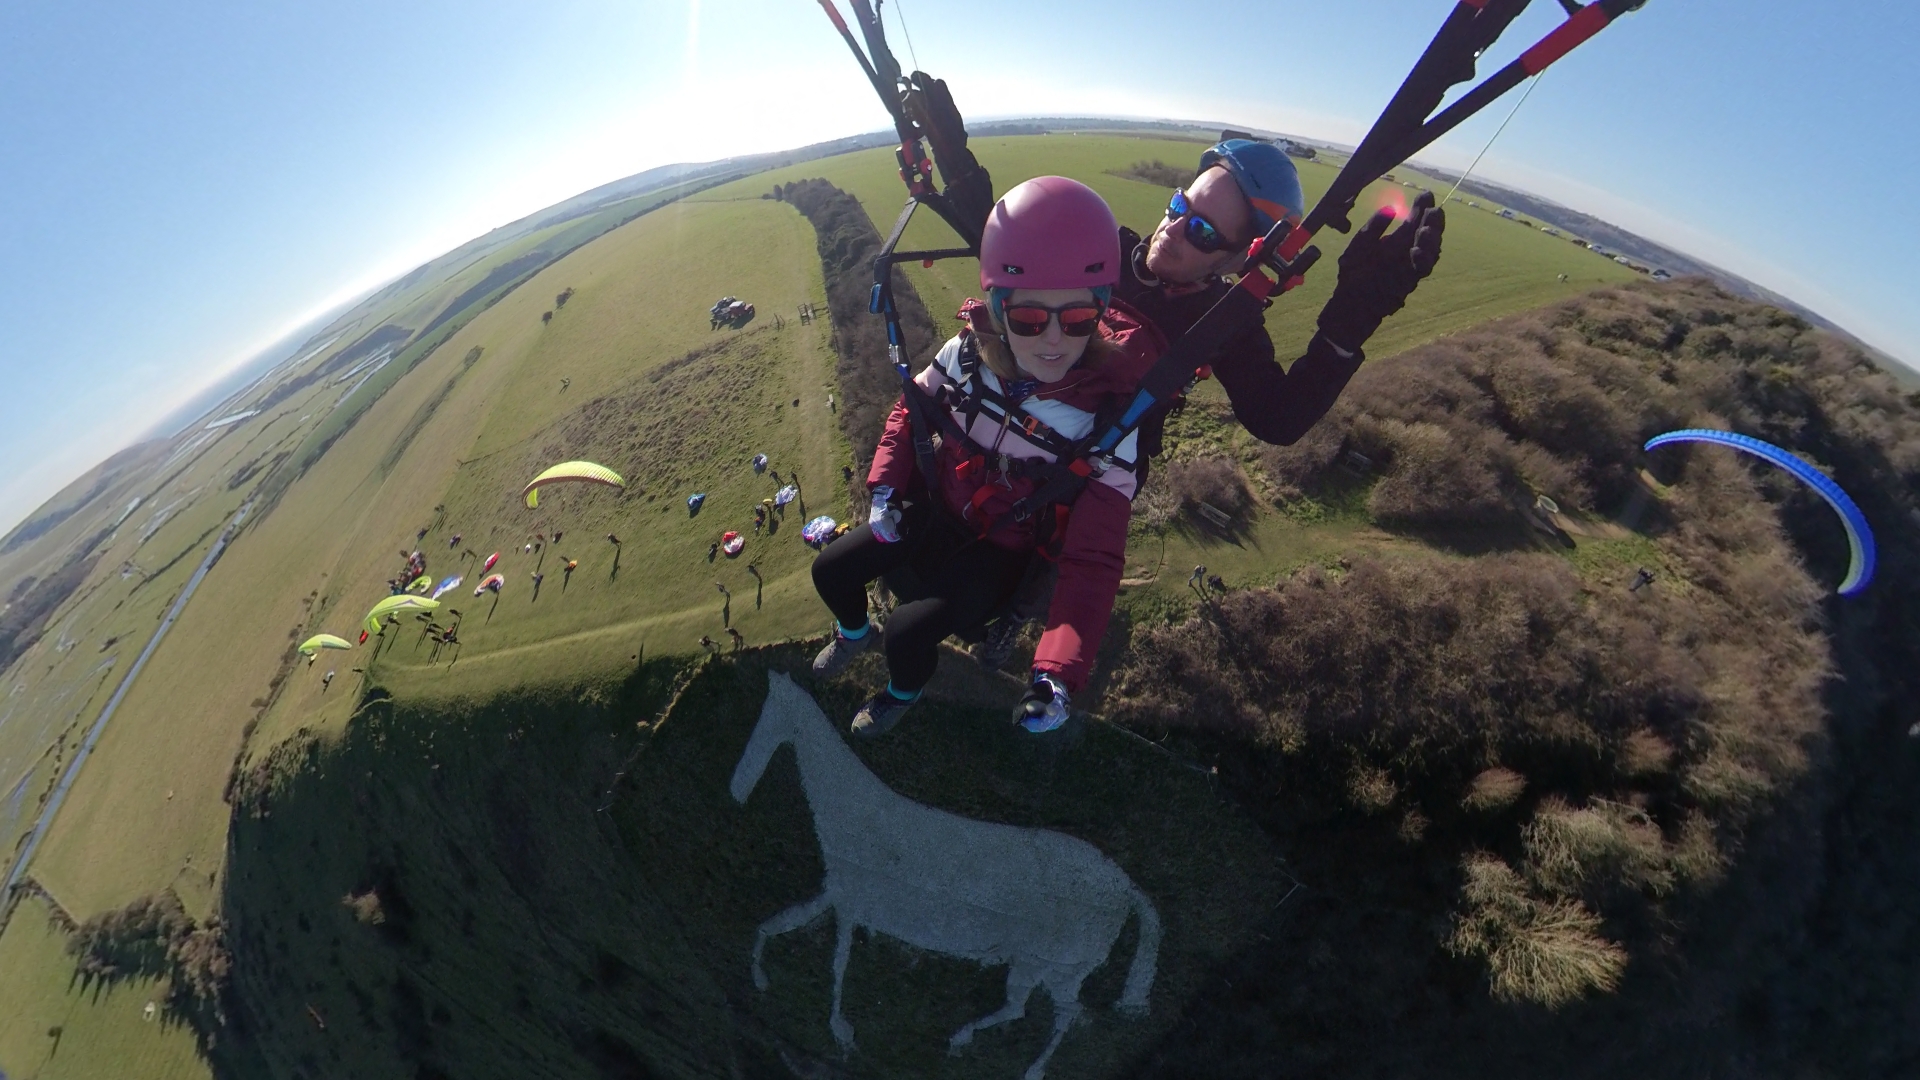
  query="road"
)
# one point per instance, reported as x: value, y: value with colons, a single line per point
x: 93, y: 734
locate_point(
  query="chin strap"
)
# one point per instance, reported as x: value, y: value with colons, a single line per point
x: 1139, y: 260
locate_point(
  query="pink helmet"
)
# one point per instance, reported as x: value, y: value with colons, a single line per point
x: 1050, y: 233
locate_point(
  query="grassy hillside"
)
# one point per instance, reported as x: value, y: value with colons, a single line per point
x: 1491, y: 266
x: 524, y: 918
x: 557, y: 883
x: 317, y: 562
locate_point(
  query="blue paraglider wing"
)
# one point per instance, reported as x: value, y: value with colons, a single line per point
x: 1859, y: 535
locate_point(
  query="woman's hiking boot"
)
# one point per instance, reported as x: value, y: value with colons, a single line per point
x: 840, y: 651
x: 1003, y: 636
x: 881, y: 712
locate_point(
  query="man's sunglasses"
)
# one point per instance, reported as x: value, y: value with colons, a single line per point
x: 1201, y: 233
x: 1030, y: 320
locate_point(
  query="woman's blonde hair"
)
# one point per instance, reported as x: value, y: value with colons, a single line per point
x: 999, y: 358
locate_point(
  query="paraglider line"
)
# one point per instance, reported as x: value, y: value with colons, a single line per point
x: 1534, y: 82
x: 900, y: 14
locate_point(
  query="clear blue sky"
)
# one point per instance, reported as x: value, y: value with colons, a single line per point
x: 182, y: 183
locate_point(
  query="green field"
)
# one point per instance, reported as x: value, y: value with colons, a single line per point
x: 53, y: 1026
x: 442, y: 440
x: 1491, y: 266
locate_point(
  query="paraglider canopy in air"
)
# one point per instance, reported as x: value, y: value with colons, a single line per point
x: 446, y: 586
x: 1859, y: 535
x: 572, y: 472
x: 323, y: 641
x: 491, y: 559
x: 491, y: 584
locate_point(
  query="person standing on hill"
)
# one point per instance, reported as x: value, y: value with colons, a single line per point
x: 1009, y: 395
x: 1176, y: 274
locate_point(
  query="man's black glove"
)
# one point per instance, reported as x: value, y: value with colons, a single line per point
x: 1379, y: 270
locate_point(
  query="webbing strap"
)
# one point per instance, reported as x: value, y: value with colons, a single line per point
x: 1402, y: 130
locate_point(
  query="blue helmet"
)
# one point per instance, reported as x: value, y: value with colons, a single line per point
x: 1266, y: 177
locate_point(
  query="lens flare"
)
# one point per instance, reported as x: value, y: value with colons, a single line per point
x: 1393, y: 201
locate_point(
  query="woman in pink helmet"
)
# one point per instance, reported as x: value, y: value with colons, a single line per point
x: 1006, y: 398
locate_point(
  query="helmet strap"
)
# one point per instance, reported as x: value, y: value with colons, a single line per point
x: 1139, y: 260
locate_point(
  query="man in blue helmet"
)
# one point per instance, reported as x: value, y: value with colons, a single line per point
x: 1175, y: 275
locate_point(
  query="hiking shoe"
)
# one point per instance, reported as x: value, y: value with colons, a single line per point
x: 842, y: 649
x: 879, y: 715
x: 1003, y: 636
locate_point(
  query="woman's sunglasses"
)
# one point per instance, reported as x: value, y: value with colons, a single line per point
x: 1201, y: 233
x: 1030, y: 320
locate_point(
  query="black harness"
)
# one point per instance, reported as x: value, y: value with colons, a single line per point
x: 1056, y: 483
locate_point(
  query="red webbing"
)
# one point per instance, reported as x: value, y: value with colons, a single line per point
x: 1585, y: 23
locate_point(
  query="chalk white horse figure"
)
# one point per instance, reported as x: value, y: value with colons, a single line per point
x: 1046, y: 904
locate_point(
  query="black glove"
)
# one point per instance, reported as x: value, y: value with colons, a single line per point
x: 1379, y: 270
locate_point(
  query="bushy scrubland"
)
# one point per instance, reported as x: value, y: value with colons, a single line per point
x: 848, y: 243
x: 1180, y: 490
x: 1577, y: 777
x: 154, y: 937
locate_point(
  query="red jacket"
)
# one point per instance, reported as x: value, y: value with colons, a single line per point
x: 1093, y: 547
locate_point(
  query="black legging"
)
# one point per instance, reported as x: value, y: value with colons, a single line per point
x: 963, y: 584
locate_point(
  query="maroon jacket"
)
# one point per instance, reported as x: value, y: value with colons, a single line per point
x: 1275, y: 404
x: 1093, y: 546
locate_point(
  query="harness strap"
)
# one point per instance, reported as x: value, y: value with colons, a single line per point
x: 1058, y: 482
x: 977, y: 396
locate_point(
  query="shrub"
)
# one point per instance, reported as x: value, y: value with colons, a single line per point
x: 1494, y: 790
x: 1645, y: 754
x: 1570, y: 851
x: 153, y: 937
x: 1214, y: 481
x: 1438, y: 477
x: 365, y: 906
x: 1371, y: 789
x: 1546, y: 952
x: 1158, y: 173
x: 1154, y: 507
x: 1298, y: 468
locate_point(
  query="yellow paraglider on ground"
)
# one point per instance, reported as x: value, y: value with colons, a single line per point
x: 572, y: 472
x: 403, y: 602
x: 323, y: 641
